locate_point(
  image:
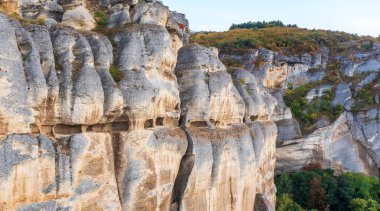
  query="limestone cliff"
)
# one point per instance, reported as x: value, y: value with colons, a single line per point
x: 135, y: 120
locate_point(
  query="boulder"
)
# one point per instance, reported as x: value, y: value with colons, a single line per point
x: 150, y: 13
x: 78, y: 18
x: 342, y: 94
x: 119, y: 18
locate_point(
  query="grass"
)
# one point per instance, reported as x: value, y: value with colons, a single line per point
x: 101, y: 18
x: 26, y: 21
x: 287, y: 40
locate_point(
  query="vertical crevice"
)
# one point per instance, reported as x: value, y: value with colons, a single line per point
x: 116, y: 148
x: 185, y: 169
x: 57, y: 174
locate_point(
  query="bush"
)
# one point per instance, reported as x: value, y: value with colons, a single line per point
x: 358, y: 204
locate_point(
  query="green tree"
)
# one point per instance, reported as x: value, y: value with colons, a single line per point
x: 358, y: 204
x: 285, y: 203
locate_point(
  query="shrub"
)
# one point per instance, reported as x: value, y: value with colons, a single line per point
x: 116, y: 74
x: 243, y: 81
x: 101, y: 18
x: 338, y: 109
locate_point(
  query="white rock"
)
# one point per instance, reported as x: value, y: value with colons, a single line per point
x: 78, y: 18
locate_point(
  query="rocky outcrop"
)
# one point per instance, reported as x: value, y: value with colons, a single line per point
x: 365, y: 128
x: 334, y: 146
x: 215, y: 170
x: 79, y: 18
x: 132, y: 121
x: 208, y: 95
x: 260, y: 104
x: 275, y: 70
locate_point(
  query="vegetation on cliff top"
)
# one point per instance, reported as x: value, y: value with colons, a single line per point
x: 287, y: 40
x: 315, y: 189
x: 261, y: 25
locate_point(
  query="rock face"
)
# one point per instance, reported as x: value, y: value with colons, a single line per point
x: 135, y: 121
x: 215, y: 170
x: 206, y: 89
x: 365, y: 127
x: 275, y: 70
x: 334, y: 146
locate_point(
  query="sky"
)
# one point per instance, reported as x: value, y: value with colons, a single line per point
x: 355, y: 16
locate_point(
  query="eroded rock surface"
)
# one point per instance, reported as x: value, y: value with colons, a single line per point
x: 206, y: 89
x: 90, y: 122
x: 334, y: 146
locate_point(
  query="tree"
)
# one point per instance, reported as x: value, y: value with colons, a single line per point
x: 317, y: 195
x: 285, y: 203
x: 358, y: 204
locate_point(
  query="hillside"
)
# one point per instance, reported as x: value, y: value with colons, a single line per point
x: 286, y: 40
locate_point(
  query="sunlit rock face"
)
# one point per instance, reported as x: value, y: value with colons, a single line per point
x: 264, y: 134
x: 74, y: 172
x: 147, y: 165
x: 135, y: 120
x: 223, y: 153
x: 150, y: 13
x: 9, y: 6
